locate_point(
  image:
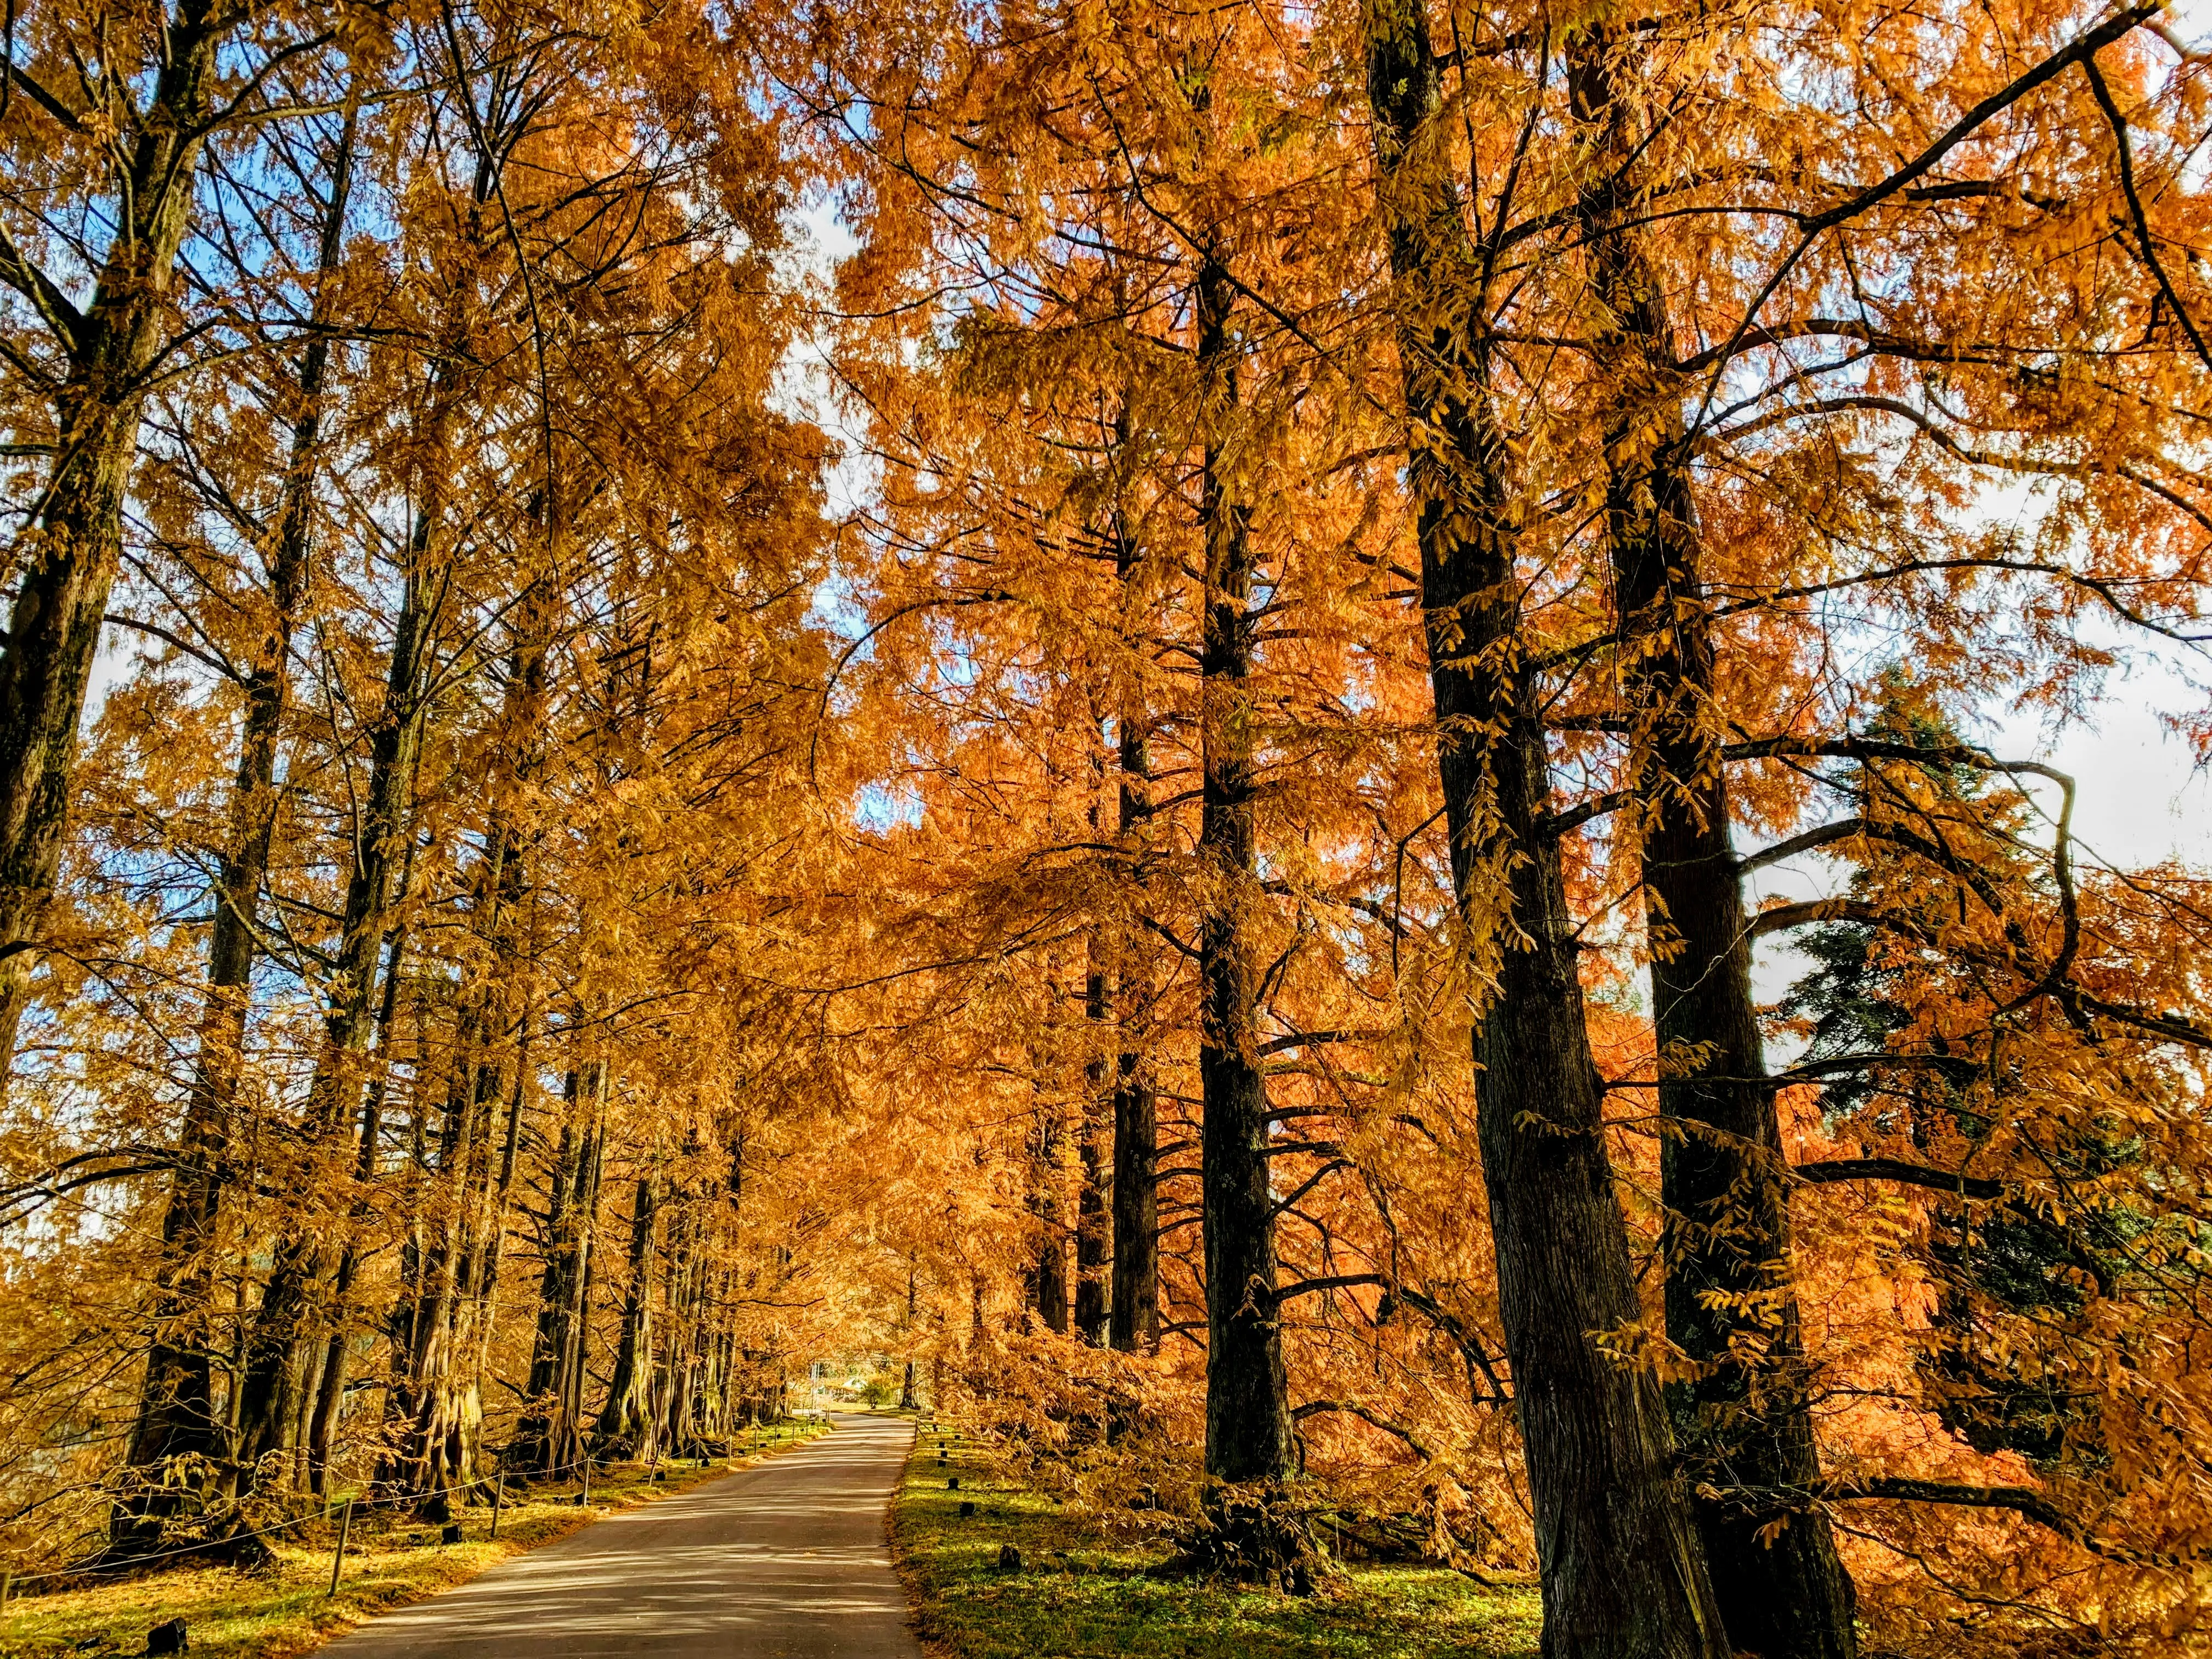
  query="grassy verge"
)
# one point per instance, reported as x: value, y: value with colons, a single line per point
x: 286, y: 1609
x: 1078, y: 1594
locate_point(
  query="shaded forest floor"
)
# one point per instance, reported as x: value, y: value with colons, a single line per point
x: 1080, y: 1595
x: 285, y: 1608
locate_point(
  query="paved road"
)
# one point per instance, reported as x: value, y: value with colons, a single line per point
x: 786, y: 1560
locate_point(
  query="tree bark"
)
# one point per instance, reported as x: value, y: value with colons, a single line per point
x: 1623, y: 1574
x: 908, y: 1399
x: 329, y: 1393
x: 492, y: 1042
x: 303, y: 1258
x: 1722, y: 1174
x: 626, y: 1420
x: 176, y: 1410
x: 549, y: 1436
x: 1134, y: 1319
x: 1093, y: 1157
x: 67, y: 558
x: 1048, y: 1278
x: 1247, y: 1408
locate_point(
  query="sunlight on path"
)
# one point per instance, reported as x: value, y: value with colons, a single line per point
x: 785, y: 1561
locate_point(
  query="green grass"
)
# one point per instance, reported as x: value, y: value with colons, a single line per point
x: 286, y: 1609
x: 1079, y: 1593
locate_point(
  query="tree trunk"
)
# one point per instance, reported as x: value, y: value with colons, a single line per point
x: 492, y: 1045
x: 1728, y: 1278
x: 626, y: 1420
x: 550, y: 1436
x: 415, y: 1171
x: 1623, y: 1574
x: 303, y: 1258
x: 330, y: 1395
x: 440, y: 1414
x: 176, y: 1408
x: 1092, y: 1156
x: 908, y: 1399
x: 1247, y: 1408
x: 1136, y: 1312
x: 1135, y: 1318
x: 65, y: 563
x: 676, y: 1380
x: 1048, y: 1278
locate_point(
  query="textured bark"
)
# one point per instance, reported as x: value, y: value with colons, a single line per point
x: 329, y: 1392
x: 303, y: 1258
x: 683, y: 1387
x: 908, y: 1399
x: 1624, y: 1573
x: 176, y: 1410
x: 626, y: 1420
x: 437, y: 1454
x: 414, y: 1181
x: 1134, y: 1319
x: 551, y: 1435
x: 441, y: 1413
x: 1093, y: 1200
x: 1247, y: 1408
x: 66, y: 559
x: 1787, y: 1593
x: 1048, y: 1277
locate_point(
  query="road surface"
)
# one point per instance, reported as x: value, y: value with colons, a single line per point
x: 785, y: 1560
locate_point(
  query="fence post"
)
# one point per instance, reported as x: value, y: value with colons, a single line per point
x: 7, y: 1584
x: 338, y: 1560
x: 587, y: 1483
x: 498, y: 1500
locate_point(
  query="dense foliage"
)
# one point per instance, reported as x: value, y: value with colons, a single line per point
x: 1087, y: 695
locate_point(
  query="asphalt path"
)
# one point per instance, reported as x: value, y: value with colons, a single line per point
x: 787, y: 1559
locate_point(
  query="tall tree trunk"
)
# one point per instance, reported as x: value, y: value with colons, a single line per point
x: 1092, y: 1197
x: 549, y: 1436
x: 303, y: 1261
x: 626, y: 1420
x: 329, y: 1392
x: 415, y: 1172
x: 303, y: 1258
x: 676, y: 1380
x: 437, y: 1423
x: 1247, y: 1408
x: 1048, y: 1278
x: 908, y: 1399
x: 575, y: 1374
x: 66, y: 561
x: 1135, y: 1317
x: 176, y: 1408
x: 1786, y: 1592
x: 492, y: 1042
x: 1624, y: 1572
x: 1093, y: 1158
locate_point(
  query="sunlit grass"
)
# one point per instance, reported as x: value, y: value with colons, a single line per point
x: 285, y: 1608
x: 1079, y: 1595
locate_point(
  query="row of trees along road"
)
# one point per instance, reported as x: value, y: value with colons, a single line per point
x: 1142, y: 777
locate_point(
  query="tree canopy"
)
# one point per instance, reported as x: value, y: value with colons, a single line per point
x: 1086, y: 700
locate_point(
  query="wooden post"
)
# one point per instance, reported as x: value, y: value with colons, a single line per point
x: 7, y: 1585
x: 498, y: 1501
x: 587, y: 1483
x: 338, y: 1560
